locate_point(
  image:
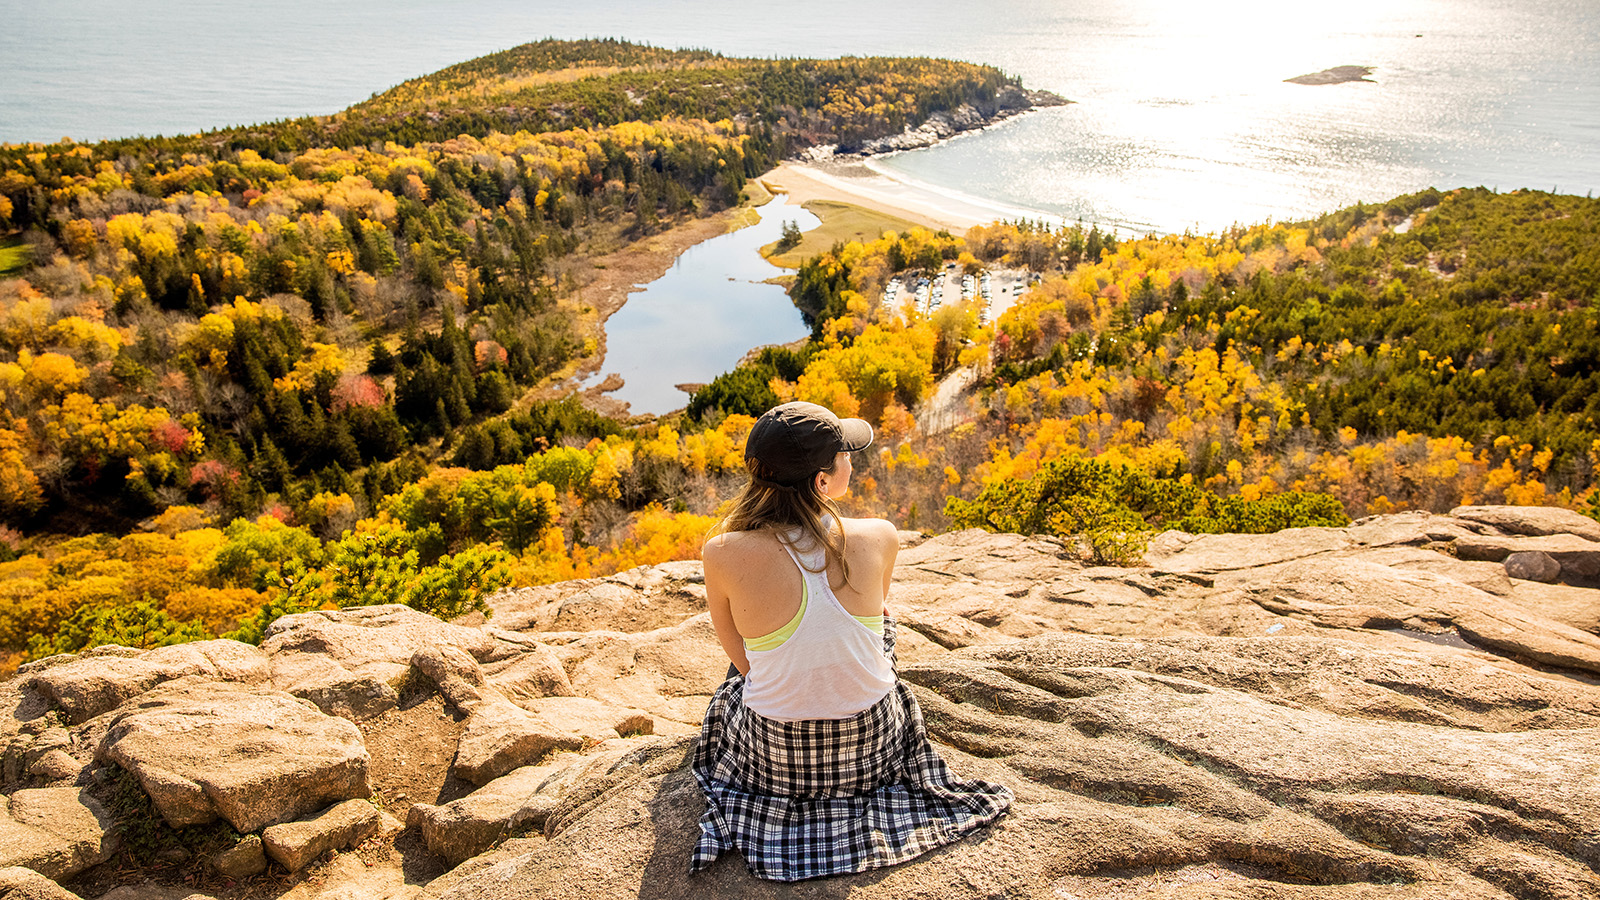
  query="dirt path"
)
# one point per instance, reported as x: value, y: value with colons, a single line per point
x: 948, y: 407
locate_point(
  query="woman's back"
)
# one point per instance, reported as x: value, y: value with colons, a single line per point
x: 826, y: 660
x: 763, y: 586
x: 808, y: 640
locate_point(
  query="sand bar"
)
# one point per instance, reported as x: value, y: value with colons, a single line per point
x: 865, y: 184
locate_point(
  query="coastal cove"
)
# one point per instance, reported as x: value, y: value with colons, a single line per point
x: 721, y: 298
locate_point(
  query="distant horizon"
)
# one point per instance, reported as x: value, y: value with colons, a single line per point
x: 1182, y: 118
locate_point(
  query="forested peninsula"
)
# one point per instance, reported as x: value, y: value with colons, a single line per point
x: 299, y: 365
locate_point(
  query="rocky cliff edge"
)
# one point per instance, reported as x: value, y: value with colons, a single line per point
x: 1408, y: 707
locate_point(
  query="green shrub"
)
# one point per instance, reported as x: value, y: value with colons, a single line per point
x: 379, y: 567
x: 1116, y: 508
x: 142, y: 625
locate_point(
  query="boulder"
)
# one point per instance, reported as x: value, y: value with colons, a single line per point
x: 39, y: 750
x: 56, y: 831
x: 349, y: 662
x: 534, y: 608
x: 350, y: 877
x: 458, y: 675
x: 509, y: 805
x: 591, y: 720
x: 336, y: 690
x: 662, y: 576
x: 222, y: 660
x: 90, y: 685
x: 295, y: 845
x: 242, y: 860
x: 532, y: 676
x: 252, y: 756
x: 56, y: 765
x: 1532, y: 565
x: 1536, y: 521
x: 361, y: 635
x: 669, y: 673
x: 609, y: 604
x: 20, y: 883
x: 500, y: 737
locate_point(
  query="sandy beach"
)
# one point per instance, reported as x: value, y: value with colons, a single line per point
x: 886, y: 202
x: 863, y: 184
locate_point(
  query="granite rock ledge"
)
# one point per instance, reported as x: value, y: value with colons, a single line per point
x: 1387, y: 710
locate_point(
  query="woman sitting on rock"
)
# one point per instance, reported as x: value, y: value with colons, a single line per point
x: 813, y: 757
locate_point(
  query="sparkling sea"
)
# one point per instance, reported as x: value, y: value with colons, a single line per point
x: 1181, y: 119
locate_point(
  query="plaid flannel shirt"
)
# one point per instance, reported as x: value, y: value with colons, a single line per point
x: 829, y: 796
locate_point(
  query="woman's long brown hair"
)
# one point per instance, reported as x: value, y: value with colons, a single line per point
x: 762, y: 507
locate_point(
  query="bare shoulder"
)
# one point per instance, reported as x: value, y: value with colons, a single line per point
x: 880, y: 532
x: 737, y: 547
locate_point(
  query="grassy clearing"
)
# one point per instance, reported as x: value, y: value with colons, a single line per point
x: 756, y: 193
x: 840, y: 222
x: 743, y: 217
x: 13, y: 255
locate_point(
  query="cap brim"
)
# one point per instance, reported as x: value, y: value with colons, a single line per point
x: 857, y: 434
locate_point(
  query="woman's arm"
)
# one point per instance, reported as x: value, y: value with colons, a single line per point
x: 718, y: 604
x: 890, y: 550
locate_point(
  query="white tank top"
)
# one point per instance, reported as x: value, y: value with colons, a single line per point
x: 832, y: 667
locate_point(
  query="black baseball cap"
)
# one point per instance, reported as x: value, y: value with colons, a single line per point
x: 794, y: 441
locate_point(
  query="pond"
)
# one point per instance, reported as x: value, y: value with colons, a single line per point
x: 709, y: 310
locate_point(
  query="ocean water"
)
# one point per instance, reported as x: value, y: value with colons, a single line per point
x: 1184, y: 120
x: 1181, y: 116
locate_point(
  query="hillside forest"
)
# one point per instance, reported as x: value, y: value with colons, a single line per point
x: 264, y: 370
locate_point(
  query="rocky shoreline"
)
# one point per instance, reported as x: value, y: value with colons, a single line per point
x: 1408, y: 707
x: 941, y: 126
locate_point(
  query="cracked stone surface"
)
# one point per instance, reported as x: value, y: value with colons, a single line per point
x: 1387, y: 710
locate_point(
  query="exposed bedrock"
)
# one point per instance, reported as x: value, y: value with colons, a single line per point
x: 1396, y: 709
x: 254, y: 758
x: 1217, y: 764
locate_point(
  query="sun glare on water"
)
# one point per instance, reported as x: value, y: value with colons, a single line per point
x: 1191, y: 123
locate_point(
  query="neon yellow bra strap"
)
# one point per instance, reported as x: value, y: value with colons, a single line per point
x: 774, y: 639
